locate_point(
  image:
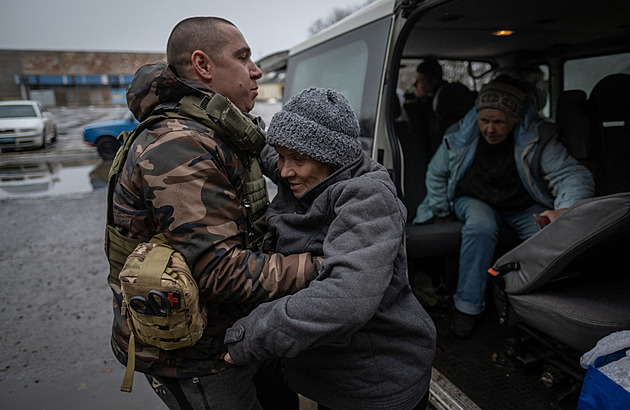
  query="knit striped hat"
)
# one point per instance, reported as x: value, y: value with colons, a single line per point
x: 320, y: 124
x: 500, y: 95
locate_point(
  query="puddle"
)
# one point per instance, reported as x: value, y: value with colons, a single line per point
x: 46, y: 178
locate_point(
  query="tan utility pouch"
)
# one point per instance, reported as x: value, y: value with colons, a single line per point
x: 160, y: 301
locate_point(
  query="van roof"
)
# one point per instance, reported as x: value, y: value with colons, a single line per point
x: 372, y: 12
x: 542, y: 28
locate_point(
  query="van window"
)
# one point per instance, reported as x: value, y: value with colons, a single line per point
x: 584, y: 73
x: 473, y: 74
x: 343, y: 68
x: 353, y: 64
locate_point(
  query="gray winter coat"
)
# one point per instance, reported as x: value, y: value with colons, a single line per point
x: 356, y: 338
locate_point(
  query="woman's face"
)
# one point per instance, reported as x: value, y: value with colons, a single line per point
x: 495, y: 125
x: 300, y: 171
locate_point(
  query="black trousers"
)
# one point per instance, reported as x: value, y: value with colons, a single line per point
x: 420, y: 406
x: 260, y: 387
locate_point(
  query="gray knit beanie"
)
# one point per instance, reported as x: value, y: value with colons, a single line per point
x: 320, y: 124
x: 501, y: 95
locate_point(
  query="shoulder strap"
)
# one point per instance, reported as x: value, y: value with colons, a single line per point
x: 242, y: 135
x: 232, y: 126
x: 117, y: 246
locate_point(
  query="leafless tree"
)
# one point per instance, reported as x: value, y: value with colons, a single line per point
x: 334, y: 16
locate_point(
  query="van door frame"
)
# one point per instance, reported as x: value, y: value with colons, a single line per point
x: 393, y: 71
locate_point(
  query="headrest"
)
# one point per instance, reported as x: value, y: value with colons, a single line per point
x: 453, y: 100
x: 574, y: 123
x: 611, y: 97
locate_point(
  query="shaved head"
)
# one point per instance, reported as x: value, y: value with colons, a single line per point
x: 195, y: 33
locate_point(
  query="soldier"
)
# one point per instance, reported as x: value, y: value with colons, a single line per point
x: 186, y: 178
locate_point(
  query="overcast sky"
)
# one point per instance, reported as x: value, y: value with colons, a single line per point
x: 144, y: 25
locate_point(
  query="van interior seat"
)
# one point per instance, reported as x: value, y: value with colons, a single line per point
x: 610, y: 101
x: 578, y: 130
x: 434, y: 240
x: 579, y: 292
x: 571, y: 280
x: 451, y: 102
x: 577, y: 312
x: 611, y: 98
x: 574, y: 119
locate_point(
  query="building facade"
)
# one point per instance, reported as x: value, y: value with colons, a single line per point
x: 70, y: 78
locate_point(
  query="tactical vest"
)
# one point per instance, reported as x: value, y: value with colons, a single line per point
x: 237, y: 130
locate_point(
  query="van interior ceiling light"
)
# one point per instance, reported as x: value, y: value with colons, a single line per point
x: 502, y: 33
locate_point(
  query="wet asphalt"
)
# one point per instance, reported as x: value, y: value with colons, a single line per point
x: 56, y: 308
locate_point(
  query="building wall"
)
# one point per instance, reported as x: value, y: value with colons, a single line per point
x: 73, y: 74
x: 270, y: 91
x: 10, y: 65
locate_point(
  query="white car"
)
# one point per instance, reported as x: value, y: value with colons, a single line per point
x: 26, y: 124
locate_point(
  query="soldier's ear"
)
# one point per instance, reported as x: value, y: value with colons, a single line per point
x: 202, y: 64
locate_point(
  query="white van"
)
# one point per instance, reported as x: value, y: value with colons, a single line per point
x: 577, y: 57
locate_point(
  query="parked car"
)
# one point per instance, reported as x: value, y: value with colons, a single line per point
x: 578, y: 56
x: 25, y: 124
x: 102, y: 135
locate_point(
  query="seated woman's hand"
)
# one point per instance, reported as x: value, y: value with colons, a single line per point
x: 553, y: 214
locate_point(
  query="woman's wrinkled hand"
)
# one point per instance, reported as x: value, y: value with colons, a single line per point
x: 228, y: 359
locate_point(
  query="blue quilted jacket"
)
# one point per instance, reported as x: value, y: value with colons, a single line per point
x: 567, y: 182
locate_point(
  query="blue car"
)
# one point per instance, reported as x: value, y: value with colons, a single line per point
x: 102, y: 135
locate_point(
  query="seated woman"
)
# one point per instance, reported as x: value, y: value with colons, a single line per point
x: 484, y: 174
x: 356, y: 338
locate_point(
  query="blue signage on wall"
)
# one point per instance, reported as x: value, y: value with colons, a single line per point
x: 119, y: 96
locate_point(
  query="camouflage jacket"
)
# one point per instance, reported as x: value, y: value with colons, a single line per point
x: 181, y: 180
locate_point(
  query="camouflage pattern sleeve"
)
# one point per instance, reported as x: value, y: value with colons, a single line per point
x: 183, y: 183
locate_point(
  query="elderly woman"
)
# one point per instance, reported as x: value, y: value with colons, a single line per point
x: 356, y: 338
x: 483, y: 174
